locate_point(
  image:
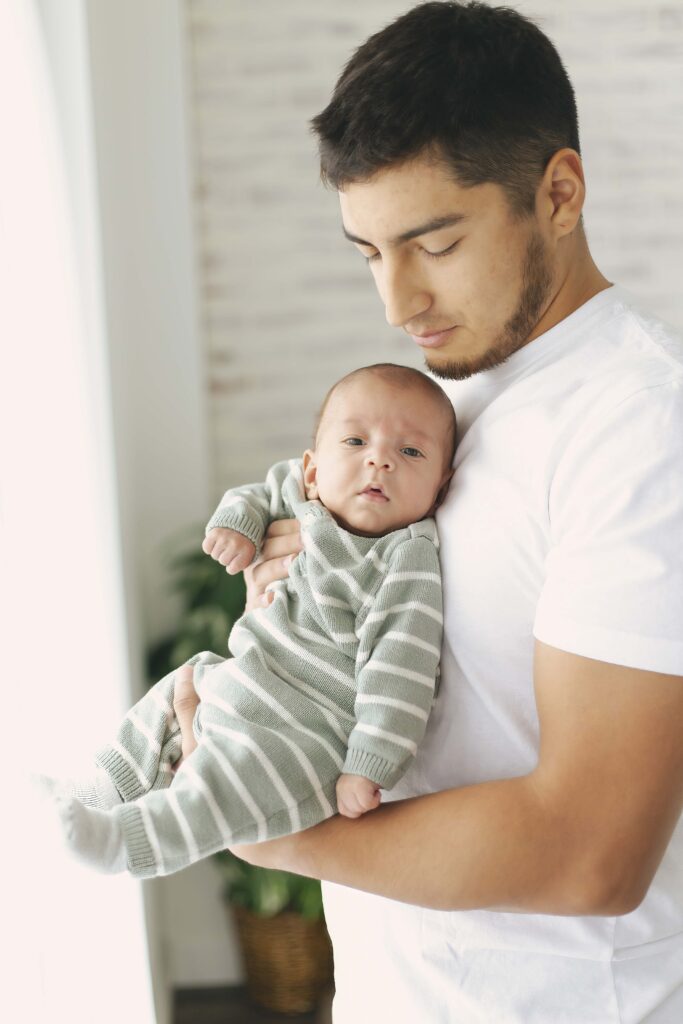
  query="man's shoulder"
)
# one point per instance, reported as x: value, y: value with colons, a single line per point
x: 648, y: 345
x: 630, y: 352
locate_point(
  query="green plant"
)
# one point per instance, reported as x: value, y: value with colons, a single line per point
x: 212, y: 601
x: 267, y: 892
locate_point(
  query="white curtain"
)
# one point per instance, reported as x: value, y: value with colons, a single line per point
x: 74, y: 944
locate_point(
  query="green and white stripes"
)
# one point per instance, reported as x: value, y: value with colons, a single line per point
x: 336, y: 675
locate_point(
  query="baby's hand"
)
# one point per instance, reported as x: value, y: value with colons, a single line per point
x: 229, y: 548
x: 356, y: 795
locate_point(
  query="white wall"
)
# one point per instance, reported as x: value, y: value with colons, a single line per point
x: 156, y: 366
x: 64, y: 614
x: 287, y: 305
x: 138, y: 72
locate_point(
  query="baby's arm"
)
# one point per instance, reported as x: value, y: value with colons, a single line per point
x: 230, y: 548
x: 235, y: 532
x: 356, y: 795
x: 398, y: 660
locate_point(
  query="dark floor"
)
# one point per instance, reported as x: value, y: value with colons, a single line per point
x: 231, y: 1006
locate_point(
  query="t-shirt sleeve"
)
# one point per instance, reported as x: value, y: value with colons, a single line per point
x: 613, y: 589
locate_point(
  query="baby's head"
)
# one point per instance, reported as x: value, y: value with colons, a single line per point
x: 384, y: 446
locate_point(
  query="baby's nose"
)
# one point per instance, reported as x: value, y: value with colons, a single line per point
x: 379, y: 459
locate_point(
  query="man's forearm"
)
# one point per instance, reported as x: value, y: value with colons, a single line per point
x: 491, y: 846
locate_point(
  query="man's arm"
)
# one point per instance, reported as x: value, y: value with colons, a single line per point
x: 583, y: 833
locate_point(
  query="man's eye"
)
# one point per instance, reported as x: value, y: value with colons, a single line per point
x: 354, y: 441
x: 442, y: 252
x: 414, y: 453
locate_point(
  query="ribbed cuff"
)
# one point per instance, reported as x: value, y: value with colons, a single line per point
x: 141, y: 860
x: 121, y: 774
x: 237, y: 521
x: 385, y: 773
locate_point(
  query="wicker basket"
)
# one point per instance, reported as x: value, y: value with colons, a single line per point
x: 287, y: 960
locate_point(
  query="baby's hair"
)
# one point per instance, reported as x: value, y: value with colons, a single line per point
x: 401, y: 377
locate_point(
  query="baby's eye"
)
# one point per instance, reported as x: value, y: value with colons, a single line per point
x: 354, y: 441
x: 414, y: 453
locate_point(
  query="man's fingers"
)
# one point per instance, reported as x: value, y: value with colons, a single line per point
x: 268, y: 572
x: 283, y: 542
x: 280, y: 526
x: 281, y: 545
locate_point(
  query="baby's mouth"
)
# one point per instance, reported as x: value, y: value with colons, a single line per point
x: 373, y: 492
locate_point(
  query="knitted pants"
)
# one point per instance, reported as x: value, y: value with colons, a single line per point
x: 260, y: 769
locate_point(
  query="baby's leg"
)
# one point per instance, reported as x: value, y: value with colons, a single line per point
x: 161, y: 831
x: 149, y: 741
x: 250, y: 779
x: 93, y: 835
x: 95, y: 790
x: 185, y: 704
x: 147, y: 746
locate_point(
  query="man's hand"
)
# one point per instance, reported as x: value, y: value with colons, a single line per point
x: 280, y: 548
x: 229, y: 548
x: 356, y: 795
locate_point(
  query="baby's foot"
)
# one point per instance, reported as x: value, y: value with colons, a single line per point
x: 96, y: 791
x: 93, y: 836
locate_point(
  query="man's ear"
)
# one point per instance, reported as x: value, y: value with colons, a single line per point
x: 443, y: 491
x: 310, y: 475
x: 563, y: 191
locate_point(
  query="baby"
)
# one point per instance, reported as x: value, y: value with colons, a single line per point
x: 327, y: 695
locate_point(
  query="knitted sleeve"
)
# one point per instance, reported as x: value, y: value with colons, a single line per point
x: 398, y: 659
x: 249, y: 509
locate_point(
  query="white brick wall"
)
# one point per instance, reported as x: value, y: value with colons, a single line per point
x: 288, y: 306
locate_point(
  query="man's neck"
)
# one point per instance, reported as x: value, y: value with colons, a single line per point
x: 579, y: 281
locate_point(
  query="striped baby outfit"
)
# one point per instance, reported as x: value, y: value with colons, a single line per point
x: 336, y: 675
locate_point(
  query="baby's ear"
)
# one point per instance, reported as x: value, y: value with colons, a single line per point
x: 310, y: 475
x: 443, y: 491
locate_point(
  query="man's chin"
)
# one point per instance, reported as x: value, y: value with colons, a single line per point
x: 447, y: 368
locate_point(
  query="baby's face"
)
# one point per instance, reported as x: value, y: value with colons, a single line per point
x: 380, y: 456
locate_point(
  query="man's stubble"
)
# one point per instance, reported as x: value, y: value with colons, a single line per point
x: 537, y: 283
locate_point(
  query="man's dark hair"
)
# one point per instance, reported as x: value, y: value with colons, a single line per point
x: 479, y: 87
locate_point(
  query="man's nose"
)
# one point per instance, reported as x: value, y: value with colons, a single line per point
x: 404, y: 295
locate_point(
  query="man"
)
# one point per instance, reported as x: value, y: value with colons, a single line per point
x: 532, y: 872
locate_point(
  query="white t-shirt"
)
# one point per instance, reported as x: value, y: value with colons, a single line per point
x: 564, y: 522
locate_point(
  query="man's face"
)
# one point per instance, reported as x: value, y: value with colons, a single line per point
x: 454, y: 268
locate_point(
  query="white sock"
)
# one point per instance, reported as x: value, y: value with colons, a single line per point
x: 94, y: 791
x: 93, y: 836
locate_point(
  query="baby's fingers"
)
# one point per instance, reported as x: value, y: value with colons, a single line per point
x: 346, y: 811
x: 237, y: 554
x: 370, y: 800
x: 240, y: 561
x: 209, y: 542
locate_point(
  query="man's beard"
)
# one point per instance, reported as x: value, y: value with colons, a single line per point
x: 537, y: 280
